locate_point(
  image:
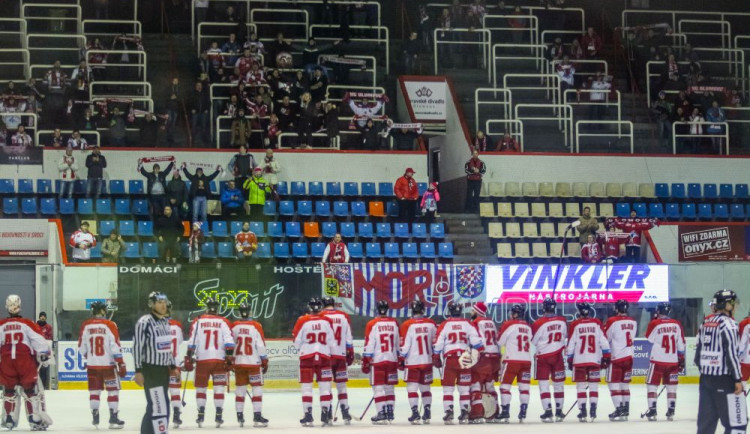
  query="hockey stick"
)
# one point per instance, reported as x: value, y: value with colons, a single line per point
x: 336, y: 411
x: 575, y: 224
x: 573, y: 406
x: 657, y: 397
x: 184, y: 389
x: 366, y: 408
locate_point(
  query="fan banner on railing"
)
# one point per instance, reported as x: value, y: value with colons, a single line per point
x: 25, y: 155
x: 713, y: 243
x: 359, y: 287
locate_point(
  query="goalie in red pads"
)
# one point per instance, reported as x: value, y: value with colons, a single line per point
x: 380, y: 361
x: 415, y: 355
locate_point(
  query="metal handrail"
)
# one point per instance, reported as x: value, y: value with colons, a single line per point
x: 552, y: 85
x: 725, y: 33
x: 507, y: 103
x: 47, y: 6
x: 282, y: 136
x: 26, y: 56
x: 384, y: 40
x: 84, y: 133
x: 484, y: 43
x: 21, y: 29
x: 516, y: 130
x: 619, y: 133
x: 724, y: 136
x: 533, y: 29
x: 148, y: 101
x: 277, y: 21
x: 141, y: 64
x: 553, y: 63
x: 145, y: 86
x: 80, y: 38
x: 538, y: 57
x: 33, y: 127
x: 565, y: 121
x: 531, y: 9
x: 201, y: 36
x: 373, y: 70
x: 543, y: 39
x: 674, y: 14
x: 137, y: 28
x: 606, y: 101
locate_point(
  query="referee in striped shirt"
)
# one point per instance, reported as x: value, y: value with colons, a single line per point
x: 152, y: 352
x: 717, y: 356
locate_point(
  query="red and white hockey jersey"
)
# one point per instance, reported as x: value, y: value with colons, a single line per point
x: 175, y: 329
x: 417, y: 335
x: 21, y: 336
x: 745, y: 341
x: 456, y: 335
x: 488, y: 332
x: 620, y: 332
x: 667, y: 340
x: 586, y: 342
x: 634, y: 227
x: 210, y: 338
x: 99, y: 343
x: 79, y: 237
x: 250, y: 343
x: 313, y: 337
x: 549, y: 335
x: 381, y: 340
x: 342, y: 332
x: 515, y: 335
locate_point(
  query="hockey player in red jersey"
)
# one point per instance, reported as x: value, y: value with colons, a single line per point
x: 415, y: 355
x: 380, y: 361
x: 588, y: 354
x: 175, y: 374
x: 211, y: 344
x: 515, y: 335
x: 343, y: 353
x: 667, y: 358
x: 620, y: 331
x: 744, y: 338
x: 455, y: 338
x: 549, y: 335
x: 313, y: 338
x: 21, y: 341
x: 99, y: 344
x: 250, y: 363
x: 484, y: 373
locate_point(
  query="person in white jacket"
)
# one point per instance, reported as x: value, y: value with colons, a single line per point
x: 271, y: 168
x: 82, y: 241
x: 68, y: 167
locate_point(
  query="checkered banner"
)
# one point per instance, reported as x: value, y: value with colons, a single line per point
x: 358, y: 287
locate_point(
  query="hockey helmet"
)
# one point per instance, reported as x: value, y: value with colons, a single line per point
x: 13, y: 304
x: 244, y: 310
x: 584, y: 308
x: 328, y: 301
x: 212, y: 305
x: 549, y: 305
x: 664, y: 308
x: 417, y: 307
x: 455, y: 309
x: 518, y: 310
x: 383, y: 307
x: 724, y: 296
x: 98, y: 308
x: 315, y: 304
x: 622, y: 306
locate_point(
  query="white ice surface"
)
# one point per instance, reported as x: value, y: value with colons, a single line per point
x: 70, y: 411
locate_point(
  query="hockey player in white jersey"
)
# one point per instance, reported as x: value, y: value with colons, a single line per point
x: 175, y: 374
x: 484, y: 373
x: 550, y: 333
x: 343, y: 353
x: 620, y: 330
x: 380, y: 361
x: 515, y: 337
x: 415, y: 355
x: 250, y: 363
x: 667, y: 359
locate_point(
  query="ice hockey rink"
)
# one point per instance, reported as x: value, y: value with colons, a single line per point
x: 70, y: 411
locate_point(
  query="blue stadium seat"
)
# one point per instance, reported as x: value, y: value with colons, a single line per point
x: 656, y: 210
x: 661, y: 190
x: 373, y: 251
x: 710, y: 192
x: 135, y: 186
x: 364, y: 230
x: 328, y: 229
x: 96, y: 251
x: 640, y: 209
x: 145, y: 228
x: 106, y: 227
x: 283, y: 189
x: 409, y: 250
x: 7, y: 186
x: 383, y: 230
x: 25, y: 186
x: 333, y: 188
x: 401, y: 230
x: 86, y: 206
x: 256, y: 228
x: 726, y: 191
x: 351, y: 189
x: 322, y: 208
x: 737, y: 211
x: 213, y: 188
x: 317, y: 250
x: 293, y: 229
x: 673, y: 211
x: 208, y: 250
x: 219, y: 229
x: 391, y: 251
x: 678, y: 190
x: 236, y: 226
x: 140, y: 207
x: 385, y: 189
x: 43, y: 186
x: 368, y: 189
x: 688, y: 211
x: 427, y: 250
x: 281, y: 250
x: 315, y: 188
x: 392, y: 209
x: 445, y: 250
x: 67, y: 207
x: 276, y: 229
x: 127, y: 228
x: 269, y: 208
x: 298, y: 188
x: 740, y: 191
x: 184, y: 250
x: 359, y: 209
x: 286, y: 208
x: 103, y: 206
x: 704, y: 211
x: 421, y: 188
x: 348, y: 230
x: 694, y: 190
x: 419, y: 231
x: 623, y: 209
x: 355, y: 250
x: 150, y: 250
x: 304, y: 208
x: 122, y: 206
x: 299, y: 250
x: 721, y: 211
x: 341, y: 208
x: 437, y: 230
x: 79, y: 186
x: 226, y: 250
x: 116, y: 187
x: 28, y: 206
x: 132, y: 250
x: 264, y: 251
x: 49, y: 206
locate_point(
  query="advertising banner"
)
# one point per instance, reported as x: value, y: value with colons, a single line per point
x: 26, y: 155
x: 427, y: 99
x: 572, y: 283
x: 24, y: 237
x: 713, y: 243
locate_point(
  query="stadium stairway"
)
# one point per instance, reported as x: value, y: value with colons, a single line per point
x: 470, y: 242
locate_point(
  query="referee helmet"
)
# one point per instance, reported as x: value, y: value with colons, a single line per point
x: 724, y: 296
x: 156, y: 296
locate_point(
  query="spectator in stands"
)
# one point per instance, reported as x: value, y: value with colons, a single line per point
x: 713, y: 114
x: 318, y: 85
x: 598, y: 109
x: 286, y: 112
x: 177, y: 195
x: 200, y: 191
x: 257, y: 188
x: 310, y: 54
x: 68, y: 168
x: 634, y: 226
x: 118, y: 128
x: 77, y: 142
x: 662, y: 109
x: 231, y: 201
x: 241, y: 129
x: 331, y: 123
x: 57, y: 83
x: 20, y: 138
x: 112, y: 247
x: 590, y: 251
x: 271, y: 168
x: 245, y: 243
x: 474, y: 169
x: 556, y: 50
x: 407, y: 193
x: 576, y: 51
x: 199, y: 109
x: 46, y: 327
x: 215, y: 59
x: 566, y: 71
x: 149, y: 127
x: 412, y: 50
x: 272, y: 133
x: 232, y: 47
x: 425, y: 28
x: 89, y: 122
x: 276, y: 47
x: 369, y: 136
x: 482, y: 142
x: 168, y: 229
x: 156, y: 185
x: 508, y: 144
x: 681, y: 118
x: 57, y: 139
x: 403, y: 138
x: 592, y: 43
x: 308, y: 117
x: 588, y: 225
x: 3, y: 133
x: 82, y: 73
x: 96, y: 163
x: 444, y: 50
x: 429, y: 203
x: 336, y: 251
x: 672, y: 76
x: 519, y: 25
x: 82, y: 241
x: 696, y: 128
x: 32, y: 89
x: 241, y: 166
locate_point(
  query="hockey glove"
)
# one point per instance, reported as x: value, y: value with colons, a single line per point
x: 264, y: 365
x: 606, y: 361
x: 401, y: 363
x: 349, y: 356
x: 680, y: 362
x: 188, y: 363
x: 366, y: 365
x: 121, y: 369
x: 437, y: 361
x: 570, y: 363
x: 228, y: 362
x: 43, y: 360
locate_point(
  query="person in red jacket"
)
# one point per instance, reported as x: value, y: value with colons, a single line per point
x: 634, y: 227
x: 590, y: 252
x: 407, y: 193
x: 591, y: 43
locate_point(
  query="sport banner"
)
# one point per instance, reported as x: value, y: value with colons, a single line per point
x: 713, y: 242
x: 24, y: 237
x: 26, y: 155
x: 425, y: 97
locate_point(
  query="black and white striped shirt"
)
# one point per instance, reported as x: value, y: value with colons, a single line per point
x: 718, y: 347
x: 152, y: 342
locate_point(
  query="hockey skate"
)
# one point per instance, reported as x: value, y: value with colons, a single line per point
x: 37, y: 425
x: 380, y: 419
x: 176, y: 420
x: 241, y: 418
x: 616, y: 416
x: 415, y: 417
x: 426, y: 415
x: 95, y: 417
x: 670, y: 414
x: 547, y: 417
x: 259, y: 421
x: 504, y: 416
x: 448, y: 418
x: 114, y: 421
x: 307, y: 420
x: 326, y: 418
x: 219, y: 419
x: 559, y: 415
x: 625, y: 410
x: 201, y: 416
x: 592, y: 412
x: 650, y: 414
x: 463, y: 418
x: 582, y: 415
x: 522, y: 412
x: 345, y: 415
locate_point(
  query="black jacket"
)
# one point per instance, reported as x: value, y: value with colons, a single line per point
x: 168, y: 227
x: 177, y: 190
x: 96, y: 168
x: 150, y: 177
x: 194, y: 182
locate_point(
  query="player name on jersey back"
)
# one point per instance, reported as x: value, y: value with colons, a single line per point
x: 550, y: 334
x: 313, y: 336
x: 620, y: 332
x: 417, y: 335
x: 667, y: 340
x: 381, y: 340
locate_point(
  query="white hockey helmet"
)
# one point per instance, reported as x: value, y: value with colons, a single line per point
x: 13, y: 304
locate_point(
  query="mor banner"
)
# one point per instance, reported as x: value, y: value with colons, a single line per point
x: 713, y: 242
x: 26, y: 155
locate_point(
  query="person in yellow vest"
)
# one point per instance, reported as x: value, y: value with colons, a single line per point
x: 257, y: 188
